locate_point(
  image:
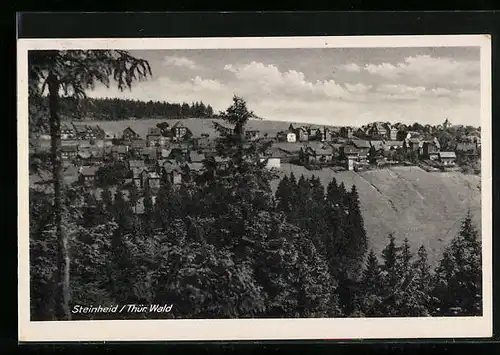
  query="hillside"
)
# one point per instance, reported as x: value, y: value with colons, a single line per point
x: 196, y: 125
x: 409, y: 202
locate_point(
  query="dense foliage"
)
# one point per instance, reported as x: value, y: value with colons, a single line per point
x: 112, y: 109
x: 222, y: 245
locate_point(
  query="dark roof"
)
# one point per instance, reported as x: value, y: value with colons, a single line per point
x: 130, y: 129
x: 69, y: 148
x: 377, y: 144
x: 359, y: 143
x: 178, y: 124
x: 195, y: 166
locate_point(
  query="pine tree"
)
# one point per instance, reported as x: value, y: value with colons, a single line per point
x: 423, y: 282
x: 371, y: 290
x: 283, y: 195
x: 391, y: 277
x: 458, y: 280
x: 355, y: 233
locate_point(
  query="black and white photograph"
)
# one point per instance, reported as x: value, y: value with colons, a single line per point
x: 279, y: 188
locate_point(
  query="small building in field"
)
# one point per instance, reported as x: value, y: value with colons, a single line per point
x: 448, y: 159
x: 302, y: 134
x: 288, y: 136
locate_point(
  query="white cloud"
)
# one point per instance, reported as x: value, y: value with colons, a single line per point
x: 358, y: 88
x: 180, y: 62
x: 425, y: 69
x: 352, y: 67
x: 258, y: 79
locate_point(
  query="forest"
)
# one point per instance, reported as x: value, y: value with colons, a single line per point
x: 222, y: 245
x: 113, y: 109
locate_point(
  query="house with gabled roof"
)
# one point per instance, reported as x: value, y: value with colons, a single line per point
x: 154, y: 137
x: 69, y: 151
x: 346, y: 132
x: 448, y: 159
x: 119, y: 152
x: 172, y: 172
x: 179, y: 130
x: 377, y: 130
x: 129, y: 134
x: 87, y: 175
x: 302, y: 134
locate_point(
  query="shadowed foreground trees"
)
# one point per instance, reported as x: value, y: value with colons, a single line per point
x: 54, y: 74
x: 222, y: 245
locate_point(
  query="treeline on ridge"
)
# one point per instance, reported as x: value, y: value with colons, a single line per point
x: 113, y: 109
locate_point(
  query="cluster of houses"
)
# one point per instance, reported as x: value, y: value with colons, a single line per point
x: 376, y: 143
x: 172, y: 152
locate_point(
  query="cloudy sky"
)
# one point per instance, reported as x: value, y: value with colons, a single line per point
x: 342, y: 86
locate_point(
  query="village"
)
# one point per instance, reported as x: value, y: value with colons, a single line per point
x: 94, y: 157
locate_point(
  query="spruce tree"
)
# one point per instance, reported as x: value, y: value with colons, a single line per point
x: 423, y: 282
x: 391, y: 277
x: 283, y: 195
x: 371, y: 290
x: 458, y: 283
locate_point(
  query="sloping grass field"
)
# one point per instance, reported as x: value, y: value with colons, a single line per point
x: 427, y: 208
x: 196, y: 125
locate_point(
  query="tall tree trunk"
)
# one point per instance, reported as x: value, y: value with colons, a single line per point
x: 63, y: 261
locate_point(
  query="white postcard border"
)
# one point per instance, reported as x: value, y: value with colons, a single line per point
x: 254, y: 329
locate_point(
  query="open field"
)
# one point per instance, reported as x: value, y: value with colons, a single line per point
x: 409, y: 202
x: 196, y: 125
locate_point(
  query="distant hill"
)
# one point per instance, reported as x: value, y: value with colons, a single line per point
x: 409, y: 202
x: 196, y: 125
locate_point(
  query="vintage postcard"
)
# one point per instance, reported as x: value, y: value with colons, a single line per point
x: 255, y: 188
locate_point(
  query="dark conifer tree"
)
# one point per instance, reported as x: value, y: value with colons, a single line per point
x: 423, y: 282
x: 458, y: 280
x: 371, y: 289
